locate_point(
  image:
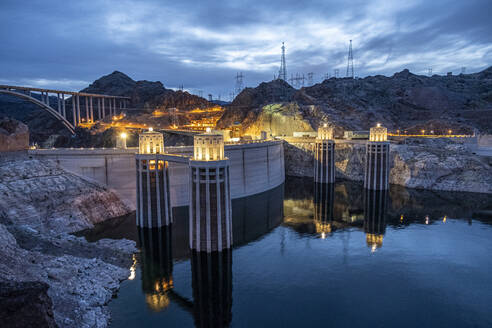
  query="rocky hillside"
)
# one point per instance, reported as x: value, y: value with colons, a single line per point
x: 145, y: 94
x: 401, y: 101
x: 53, y: 276
x: 47, y: 132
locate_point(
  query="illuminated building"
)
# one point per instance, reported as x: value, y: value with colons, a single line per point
x: 375, y: 217
x: 324, y: 194
x: 324, y: 157
x: 236, y: 130
x: 153, y: 196
x: 210, y: 200
x: 377, y: 159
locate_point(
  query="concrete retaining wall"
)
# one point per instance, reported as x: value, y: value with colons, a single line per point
x: 255, y: 168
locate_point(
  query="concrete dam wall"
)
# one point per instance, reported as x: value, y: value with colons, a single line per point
x: 254, y: 168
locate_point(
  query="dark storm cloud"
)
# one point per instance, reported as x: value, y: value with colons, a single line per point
x: 202, y: 44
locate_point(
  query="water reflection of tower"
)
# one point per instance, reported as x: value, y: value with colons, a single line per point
x: 323, y: 207
x: 212, y: 288
x: 375, y: 202
x: 157, y: 266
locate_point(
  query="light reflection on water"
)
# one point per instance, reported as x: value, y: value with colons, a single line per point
x: 309, y: 254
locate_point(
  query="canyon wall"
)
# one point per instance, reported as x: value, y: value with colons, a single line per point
x: 57, y: 278
x: 438, y: 164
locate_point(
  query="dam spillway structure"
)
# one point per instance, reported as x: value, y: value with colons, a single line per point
x: 210, y: 197
x: 376, y: 176
x: 324, y: 157
x: 153, y: 196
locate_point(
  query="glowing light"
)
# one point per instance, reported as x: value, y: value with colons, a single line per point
x: 401, y: 218
x: 325, y: 125
x: 133, y: 269
x: 444, y: 219
x: 426, y: 219
x: 151, y: 129
x: 378, y: 125
x: 208, y: 130
x: 423, y: 131
x: 450, y: 131
x: 323, y: 235
x: 123, y: 135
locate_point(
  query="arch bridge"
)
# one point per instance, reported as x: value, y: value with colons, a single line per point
x: 94, y: 106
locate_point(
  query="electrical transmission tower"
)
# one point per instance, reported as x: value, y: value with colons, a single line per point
x: 210, y: 97
x: 430, y: 71
x: 282, y: 73
x: 336, y: 71
x: 239, y: 83
x: 350, y: 62
x: 327, y: 76
x: 310, y: 79
x: 174, y: 117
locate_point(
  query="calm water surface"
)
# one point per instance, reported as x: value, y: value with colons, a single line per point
x: 318, y: 255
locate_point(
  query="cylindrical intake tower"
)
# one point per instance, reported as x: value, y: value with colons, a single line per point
x: 324, y: 157
x: 210, y: 199
x: 153, y: 196
x: 377, y: 159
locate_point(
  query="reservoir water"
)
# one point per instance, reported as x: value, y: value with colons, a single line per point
x: 318, y: 255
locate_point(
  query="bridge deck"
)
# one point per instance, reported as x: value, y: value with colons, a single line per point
x: 84, y: 94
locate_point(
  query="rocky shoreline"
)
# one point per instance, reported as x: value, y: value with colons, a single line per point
x: 432, y: 164
x: 56, y: 278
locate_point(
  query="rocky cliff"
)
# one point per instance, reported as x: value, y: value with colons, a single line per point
x: 439, y: 164
x: 404, y: 101
x: 14, y: 135
x: 40, y: 205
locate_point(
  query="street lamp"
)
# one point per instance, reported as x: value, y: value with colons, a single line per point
x: 122, y: 139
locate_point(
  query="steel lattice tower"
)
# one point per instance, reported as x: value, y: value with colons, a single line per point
x: 350, y: 62
x: 282, y: 74
x: 239, y: 83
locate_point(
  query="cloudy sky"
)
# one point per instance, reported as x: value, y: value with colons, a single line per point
x: 203, y: 44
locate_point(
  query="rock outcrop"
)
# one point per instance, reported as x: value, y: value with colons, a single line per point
x: 40, y: 205
x: 146, y: 94
x: 25, y: 304
x: 403, y: 101
x: 439, y: 164
x: 14, y: 135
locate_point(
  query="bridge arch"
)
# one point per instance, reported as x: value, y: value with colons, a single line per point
x: 46, y: 107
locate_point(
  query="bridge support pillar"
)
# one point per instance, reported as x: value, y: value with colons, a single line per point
x: 63, y: 106
x: 92, y: 109
x: 86, y: 109
x: 99, y: 108
x: 74, y: 112
x: 377, y: 160
x: 103, y: 109
x: 77, y: 97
